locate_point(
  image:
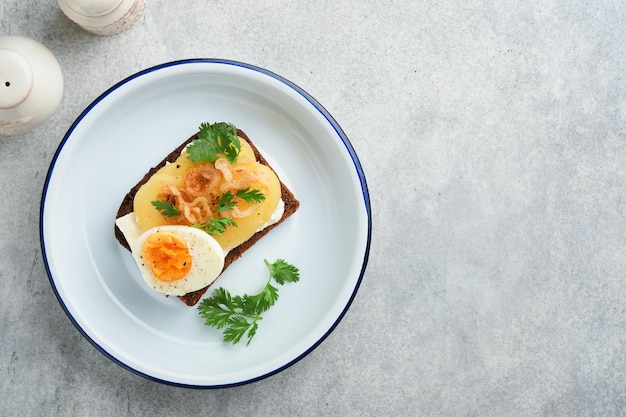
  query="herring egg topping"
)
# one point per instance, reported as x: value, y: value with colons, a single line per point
x: 177, y: 260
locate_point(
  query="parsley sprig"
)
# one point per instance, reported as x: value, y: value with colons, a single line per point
x: 250, y: 196
x: 217, y: 225
x: 214, y: 140
x: 165, y: 207
x: 239, y: 315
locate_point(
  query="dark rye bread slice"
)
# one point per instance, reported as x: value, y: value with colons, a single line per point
x: 291, y: 205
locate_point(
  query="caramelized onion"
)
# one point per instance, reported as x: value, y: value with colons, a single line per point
x: 201, y: 179
x: 223, y: 166
x: 203, y: 186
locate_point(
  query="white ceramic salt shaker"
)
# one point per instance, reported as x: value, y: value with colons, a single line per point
x: 103, y: 17
x: 31, y: 84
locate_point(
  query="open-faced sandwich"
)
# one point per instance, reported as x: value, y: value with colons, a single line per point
x: 200, y: 209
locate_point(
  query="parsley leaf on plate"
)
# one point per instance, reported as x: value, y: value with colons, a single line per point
x: 239, y: 316
x: 281, y: 271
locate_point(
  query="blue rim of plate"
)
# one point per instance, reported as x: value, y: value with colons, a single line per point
x: 317, y: 106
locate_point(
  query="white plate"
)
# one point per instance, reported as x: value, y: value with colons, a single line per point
x: 129, y: 129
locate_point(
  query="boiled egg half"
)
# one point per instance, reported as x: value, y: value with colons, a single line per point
x: 177, y: 260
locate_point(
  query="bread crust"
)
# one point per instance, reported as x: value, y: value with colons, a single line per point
x: 126, y: 206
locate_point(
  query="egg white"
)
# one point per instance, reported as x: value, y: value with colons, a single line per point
x: 206, y: 265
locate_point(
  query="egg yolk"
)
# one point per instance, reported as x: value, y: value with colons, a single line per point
x: 167, y: 256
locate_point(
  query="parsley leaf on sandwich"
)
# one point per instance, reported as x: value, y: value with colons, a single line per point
x: 215, y: 140
x: 166, y: 208
x: 250, y: 196
x: 226, y: 202
x: 217, y: 225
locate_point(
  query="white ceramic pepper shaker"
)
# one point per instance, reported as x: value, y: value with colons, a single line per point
x: 31, y: 84
x: 103, y: 17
